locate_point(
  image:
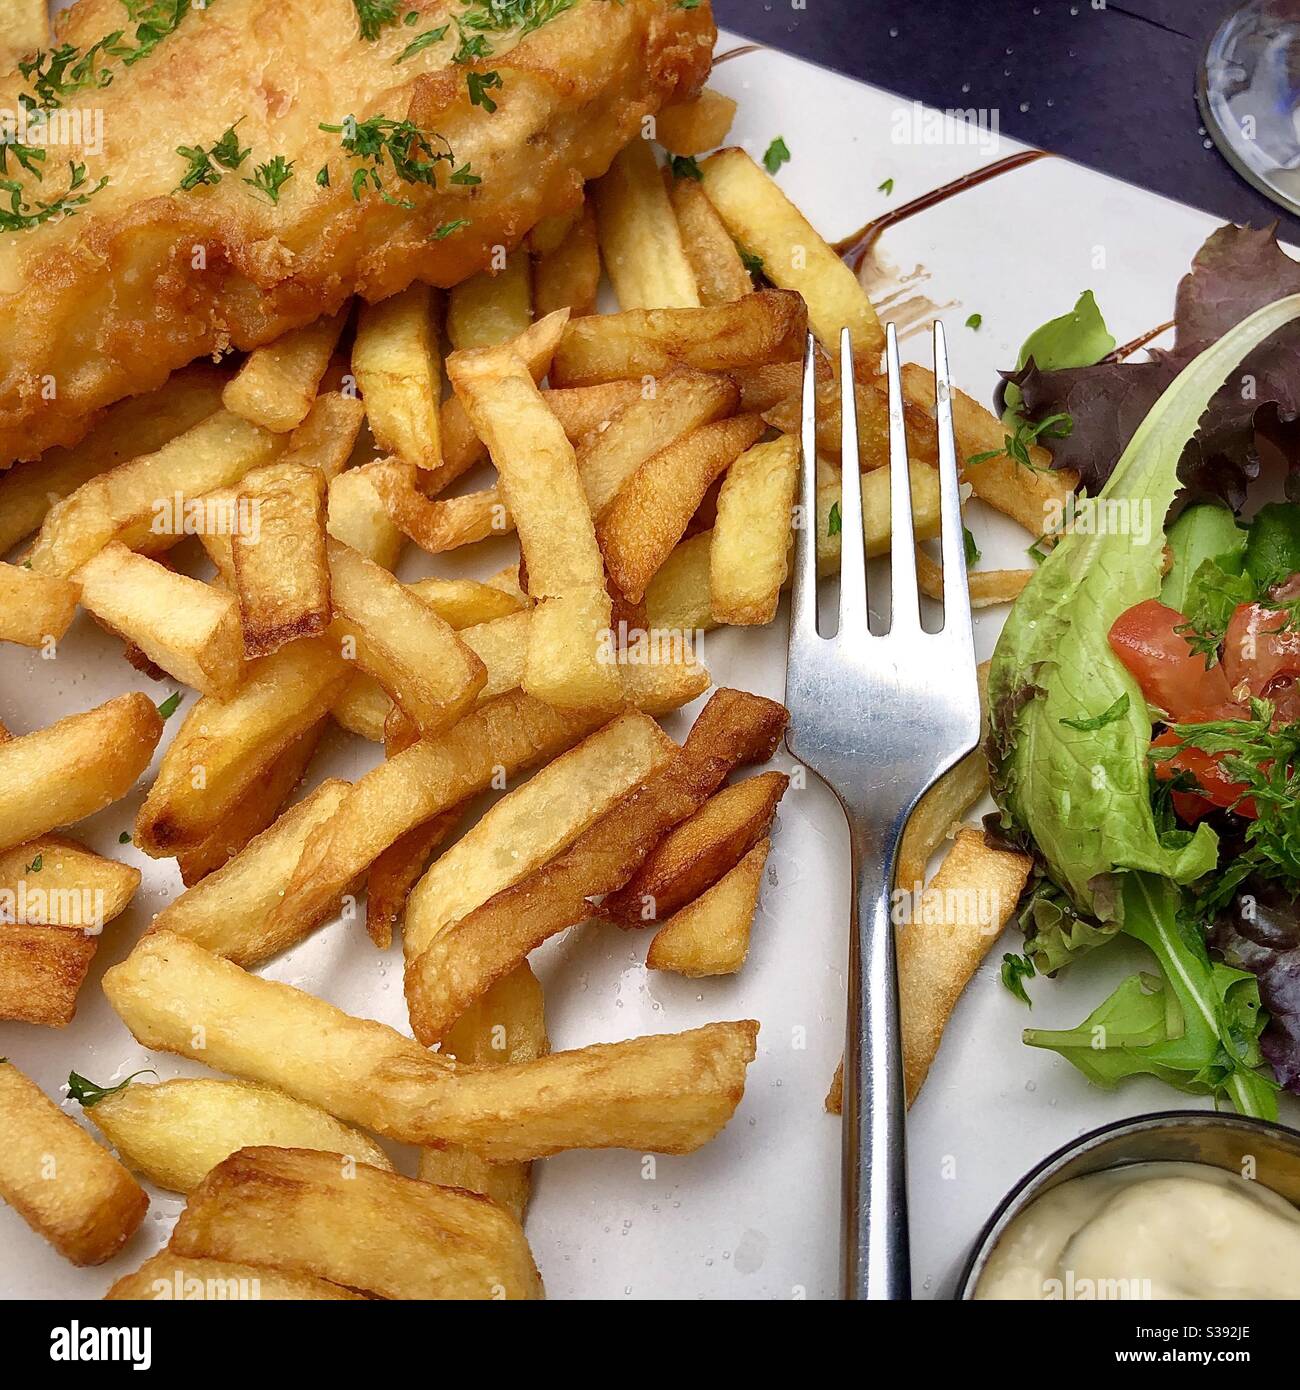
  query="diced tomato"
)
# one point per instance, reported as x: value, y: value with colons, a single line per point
x: 1216, y: 787
x: 1258, y: 647
x: 1173, y: 677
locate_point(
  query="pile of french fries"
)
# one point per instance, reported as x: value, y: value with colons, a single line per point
x: 237, y: 533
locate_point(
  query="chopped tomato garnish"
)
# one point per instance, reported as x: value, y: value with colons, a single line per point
x: 1216, y: 787
x: 1259, y: 647
x: 1172, y: 676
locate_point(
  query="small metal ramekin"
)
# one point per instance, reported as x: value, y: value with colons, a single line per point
x: 1172, y: 1136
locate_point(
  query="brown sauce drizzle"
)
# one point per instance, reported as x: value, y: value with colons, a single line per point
x: 739, y: 52
x: 856, y: 248
x: 1128, y: 349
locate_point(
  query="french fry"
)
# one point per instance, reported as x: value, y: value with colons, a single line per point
x: 281, y: 574
x: 175, y: 1132
x: 666, y: 1094
x: 25, y: 27
x: 359, y: 518
x: 463, y: 960
x: 492, y: 307
x: 975, y: 892
x: 276, y: 385
x: 538, y: 820
x: 138, y: 425
x: 55, y: 897
x: 544, y: 491
x: 751, y: 536
x: 582, y: 410
x: 1030, y: 495
x: 694, y: 126
x: 710, y: 936
x: 358, y: 1226
x: 507, y: 1025
x: 41, y: 973
x: 720, y: 274
x: 875, y: 513
x: 254, y: 811
x: 769, y: 326
x: 764, y: 221
x: 677, y: 599
x: 230, y: 912
x: 511, y: 733
x: 445, y: 523
x: 681, y: 402
x: 75, y: 767
x: 396, y: 872
x: 224, y: 745
x: 872, y: 404
x: 55, y: 882
x: 567, y: 276
x: 145, y: 502
x: 986, y: 587
x: 461, y: 446
x: 463, y: 603
x: 966, y: 906
x: 326, y: 438
x: 188, y: 629
x: 639, y: 240
x: 395, y: 360
x: 939, y: 810
x: 35, y: 609
x: 66, y: 1187
x: 172, y: 1277
x: 549, y: 234
x: 363, y: 707
x: 665, y: 678
x: 652, y: 510
x: 402, y: 642
x: 696, y: 853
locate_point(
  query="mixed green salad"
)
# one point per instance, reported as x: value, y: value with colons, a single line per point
x: 1145, y: 692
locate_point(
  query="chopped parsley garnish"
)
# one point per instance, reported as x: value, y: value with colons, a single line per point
x: 448, y: 228
x: 381, y: 141
x: 269, y: 178
x: 465, y: 175
x: 202, y: 163
x: 479, y: 84
x: 1099, y: 721
x: 124, y: 838
x: 886, y: 187
x: 21, y: 216
x: 420, y: 42
x: 687, y: 5
x: 833, y: 523
x: 685, y: 166
x: 972, y: 550
x: 975, y: 320
x: 778, y: 153
x: 752, y: 263
x: 86, y: 1093
x: 36, y: 865
x: 1015, y: 971
x: 170, y: 705
x: 154, y: 20
x: 1016, y: 446
x: 373, y: 16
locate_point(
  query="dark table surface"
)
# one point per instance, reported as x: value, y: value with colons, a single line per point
x: 1112, y: 87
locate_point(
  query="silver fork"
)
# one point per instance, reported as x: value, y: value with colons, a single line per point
x: 879, y: 719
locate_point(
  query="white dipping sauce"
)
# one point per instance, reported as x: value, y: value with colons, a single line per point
x: 1150, y: 1230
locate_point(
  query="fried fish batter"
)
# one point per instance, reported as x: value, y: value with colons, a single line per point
x: 145, y: 275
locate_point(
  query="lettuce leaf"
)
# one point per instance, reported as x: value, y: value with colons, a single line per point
x: 1082, y: 794
x: 1237, y: 271
x: 1197, y: 1027
x: 1205, y: 531
x: 1077, y: 339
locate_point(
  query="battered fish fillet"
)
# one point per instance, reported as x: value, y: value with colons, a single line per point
x: 146, y: 277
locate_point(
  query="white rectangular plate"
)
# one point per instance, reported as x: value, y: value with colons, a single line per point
x: 756, y: 1214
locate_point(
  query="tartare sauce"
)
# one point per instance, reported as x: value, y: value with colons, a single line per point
x: 1149, y: 1230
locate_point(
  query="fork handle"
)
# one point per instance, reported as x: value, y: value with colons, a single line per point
x: 875, y: 1245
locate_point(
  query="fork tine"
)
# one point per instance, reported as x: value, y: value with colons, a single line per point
x: 854, y: 623
x: 803, y: 599
x: 905, y: 601
x: 956, y: 594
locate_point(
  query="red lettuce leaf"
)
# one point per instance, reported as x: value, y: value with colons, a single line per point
x: 1237, y: 271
